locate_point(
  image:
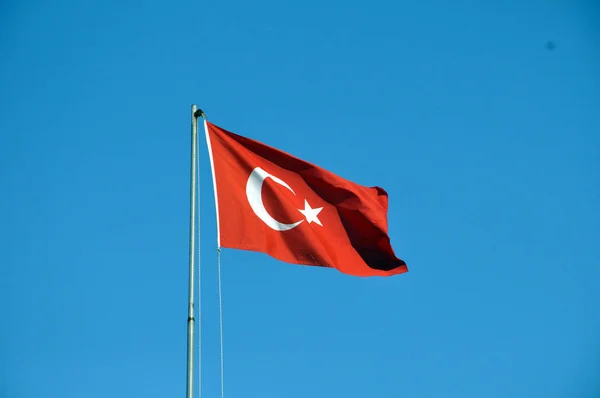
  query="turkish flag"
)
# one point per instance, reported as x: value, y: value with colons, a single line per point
x: 269, y: 201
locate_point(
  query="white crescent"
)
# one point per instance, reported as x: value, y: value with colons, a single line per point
x: 254, y: 195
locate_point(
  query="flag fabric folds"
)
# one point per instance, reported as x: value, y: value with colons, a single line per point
x: 271, y: 202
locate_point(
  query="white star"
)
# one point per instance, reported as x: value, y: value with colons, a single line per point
x: 310, y: 213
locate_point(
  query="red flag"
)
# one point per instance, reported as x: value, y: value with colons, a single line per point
x: 271, y: 202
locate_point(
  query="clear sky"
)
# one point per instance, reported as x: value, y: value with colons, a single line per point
x: 480, y: 119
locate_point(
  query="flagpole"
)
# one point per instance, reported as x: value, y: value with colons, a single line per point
x: 190, y: 320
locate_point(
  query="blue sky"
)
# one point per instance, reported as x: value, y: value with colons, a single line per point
x: 487, y: 142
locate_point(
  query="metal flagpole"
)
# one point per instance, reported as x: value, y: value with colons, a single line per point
x: 190, y: 321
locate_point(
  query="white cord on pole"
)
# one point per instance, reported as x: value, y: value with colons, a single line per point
x: 200, y: 295
x: 220, y: 317
x: 199, y: 311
